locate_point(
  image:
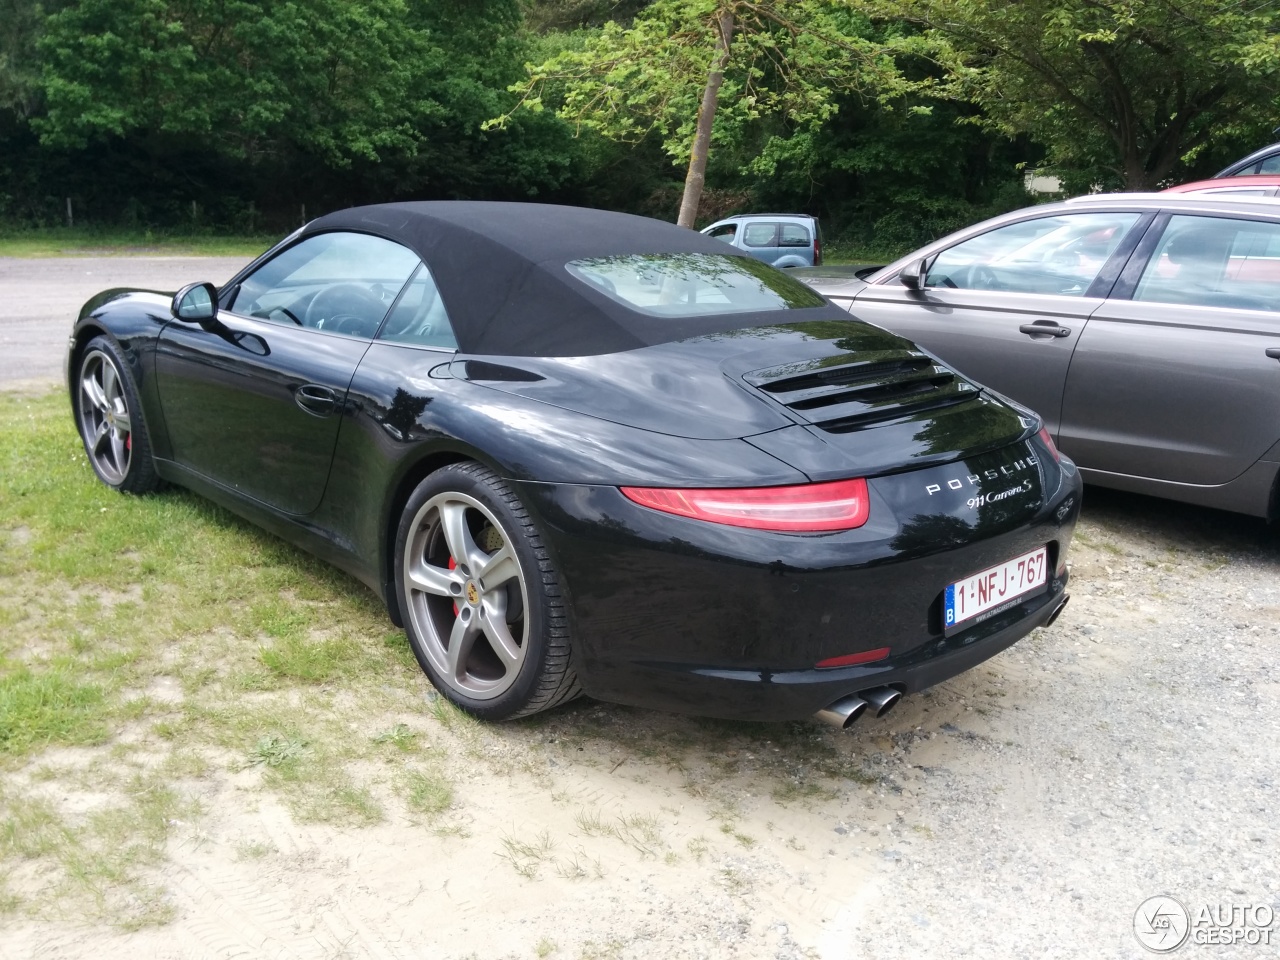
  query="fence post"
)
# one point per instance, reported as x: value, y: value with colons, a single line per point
x: 70, y: 219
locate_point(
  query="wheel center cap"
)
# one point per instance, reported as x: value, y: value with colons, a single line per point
x: 473, y: 593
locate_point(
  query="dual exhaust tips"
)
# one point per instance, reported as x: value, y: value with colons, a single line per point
x: 846, y: 710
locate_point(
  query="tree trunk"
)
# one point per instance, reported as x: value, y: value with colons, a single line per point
x: 697, y: 175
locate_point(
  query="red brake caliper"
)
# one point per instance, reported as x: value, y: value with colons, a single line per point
x: 453, y: 565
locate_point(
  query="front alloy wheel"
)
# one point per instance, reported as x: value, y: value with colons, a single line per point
x: 111, y: 427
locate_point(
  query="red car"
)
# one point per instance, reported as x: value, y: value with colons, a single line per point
x: 1256, y: 185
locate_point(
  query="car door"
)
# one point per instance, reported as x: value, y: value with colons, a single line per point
x: 760, y: 240
x: 1007, y: 307
x: 795, y: 244
x: 253, y: 399
x: 1177, y: 376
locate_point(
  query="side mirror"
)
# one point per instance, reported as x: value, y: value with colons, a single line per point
x: 914, y: 274
x: 196, y: 303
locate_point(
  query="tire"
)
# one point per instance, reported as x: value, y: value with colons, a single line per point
x: 483, y: 604
x: 109, y: 418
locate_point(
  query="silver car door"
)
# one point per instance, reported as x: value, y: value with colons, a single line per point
x: 1007, y: 307
x: 1177, y: 376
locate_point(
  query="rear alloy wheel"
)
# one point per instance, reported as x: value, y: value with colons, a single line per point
x: 482, y: 602
x: 110, y: 420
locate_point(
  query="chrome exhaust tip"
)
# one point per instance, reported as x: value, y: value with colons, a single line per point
x: 1056, y: 613
x: 881, y: 699
x: 843, y: 712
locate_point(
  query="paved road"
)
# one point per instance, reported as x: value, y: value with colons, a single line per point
x: 39, y: 299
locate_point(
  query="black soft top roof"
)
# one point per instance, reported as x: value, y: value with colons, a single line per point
x: 500, y: 268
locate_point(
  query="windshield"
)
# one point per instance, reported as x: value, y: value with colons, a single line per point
x: 693, y: 284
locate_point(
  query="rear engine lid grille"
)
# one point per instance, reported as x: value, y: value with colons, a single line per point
x: 843, y: 397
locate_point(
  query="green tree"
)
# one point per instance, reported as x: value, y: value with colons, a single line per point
x: 697, y: 71
x: 23, y: 21
x: 394, y: 90
x: 545, y: 15
x: 1117, y: 91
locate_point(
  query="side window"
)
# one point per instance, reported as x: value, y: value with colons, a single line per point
x: 1055, y: 255
x: 1215, y: 262
x: 1270, y: 164
x: 419, y: 316
x: 760, y: 234
x: 725, y: 232
x: 338, y: 282
x: 794, y: 235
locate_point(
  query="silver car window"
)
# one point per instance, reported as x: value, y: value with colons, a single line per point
x: 1215, y: 262
x: 1053, y: 255
x: 1270, y: 165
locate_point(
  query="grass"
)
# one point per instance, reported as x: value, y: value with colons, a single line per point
x: 61, y: 241
x: 528, y: 856
x: 215, y: 646
x: 48, y: 707
x: 838, y: 253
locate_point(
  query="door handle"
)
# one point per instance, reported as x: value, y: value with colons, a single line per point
x: 1044, y: 328
x: 1273, y: 353
x: 316, y: 400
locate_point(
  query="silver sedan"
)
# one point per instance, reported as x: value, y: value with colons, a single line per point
x: 1144, y: 328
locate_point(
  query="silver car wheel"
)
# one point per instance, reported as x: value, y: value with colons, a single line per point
x: 467, y: 595
x: 105, y: 421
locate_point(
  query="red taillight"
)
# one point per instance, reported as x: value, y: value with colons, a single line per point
x: 1048, y: 442
x: 853, y: 659
x: 810, y: 508
x: 817, y: 250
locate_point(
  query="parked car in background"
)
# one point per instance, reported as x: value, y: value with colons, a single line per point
x: 1266, y: 160
x: 1257, y: 185
x: 782, y: 239
x: 586, y: 452
x: 1144, y: 328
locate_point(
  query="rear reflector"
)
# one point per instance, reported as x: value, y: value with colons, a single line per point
x: 853, y: 659
x: 809, y: 508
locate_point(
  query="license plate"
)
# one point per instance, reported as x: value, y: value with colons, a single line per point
x: 987, y: 593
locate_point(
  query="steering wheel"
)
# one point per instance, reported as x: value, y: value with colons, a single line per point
x: 982, y: 277
x: 345, y: 308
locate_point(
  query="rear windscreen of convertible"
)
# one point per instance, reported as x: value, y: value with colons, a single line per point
x: 693, y: 284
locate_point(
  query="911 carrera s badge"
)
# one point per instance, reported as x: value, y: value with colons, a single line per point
x: 473, y: 595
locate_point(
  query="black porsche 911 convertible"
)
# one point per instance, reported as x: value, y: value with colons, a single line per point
x: 586, y: 452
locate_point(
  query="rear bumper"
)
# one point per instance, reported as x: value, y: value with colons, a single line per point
x: 796, y: 694
x: 681, y: 615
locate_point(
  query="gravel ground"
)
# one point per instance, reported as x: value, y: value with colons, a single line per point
x: 1128, y: 752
